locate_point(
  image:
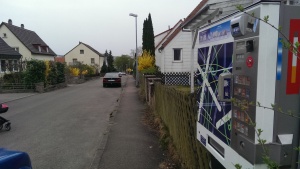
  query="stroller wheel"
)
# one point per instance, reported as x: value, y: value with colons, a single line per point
x: 7, y: 127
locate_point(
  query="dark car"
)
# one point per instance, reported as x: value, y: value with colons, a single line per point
x: 112, y: 79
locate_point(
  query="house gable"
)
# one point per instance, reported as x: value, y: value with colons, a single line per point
x: 158, y: 38
x: 85, y: 54
x: 25, y: 38
x: 206, y: 12
x: 169, y: 37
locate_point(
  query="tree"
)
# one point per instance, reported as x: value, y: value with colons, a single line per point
x: 145, y: 33
x: 148, y: 36
x: 110, y: 62
x: 104, y: 67
x: 138, y: 53
x: 123, y: 62
x: 151, y: 37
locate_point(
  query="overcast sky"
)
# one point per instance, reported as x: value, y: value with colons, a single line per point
x: 102, y: 24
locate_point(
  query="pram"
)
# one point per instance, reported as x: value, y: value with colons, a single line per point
x: 4, y: 122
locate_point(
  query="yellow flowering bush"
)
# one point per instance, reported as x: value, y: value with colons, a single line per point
x: 85, y: 72
x: 129, y: 70
x: 145, y: 61
x: 74, y: 71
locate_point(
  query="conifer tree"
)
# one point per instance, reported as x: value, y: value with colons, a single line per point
x: 110, y: 62
x: 148, y: 36
x: 145, y: 34
x: 151, y: 47
x: 104, y: 67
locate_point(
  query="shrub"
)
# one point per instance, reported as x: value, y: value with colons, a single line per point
x: 60, y: 72
x: 35, y: 72
x: 74, y: 71
x: 146, y: 61
x: 17, y: 77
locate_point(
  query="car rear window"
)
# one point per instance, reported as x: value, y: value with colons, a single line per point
x: 111, y: 75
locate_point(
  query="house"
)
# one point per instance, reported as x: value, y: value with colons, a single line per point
x: 84, y: 54
x: 170, y: 52
x: 60, y: 59
x: 26, y: 42
x: 174, y: 53
x: 158, y: 38
x: 9, y: 58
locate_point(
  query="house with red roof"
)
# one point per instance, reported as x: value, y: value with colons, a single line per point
x: 60, y: 59
x: 26, y: 42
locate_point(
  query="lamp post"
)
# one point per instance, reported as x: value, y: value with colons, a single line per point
x: 136, y: 59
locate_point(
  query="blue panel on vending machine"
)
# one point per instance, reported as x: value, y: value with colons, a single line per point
x: 14, y: 159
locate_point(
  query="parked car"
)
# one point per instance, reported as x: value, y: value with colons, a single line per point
x: 112, y: 79
x: 122, y: 73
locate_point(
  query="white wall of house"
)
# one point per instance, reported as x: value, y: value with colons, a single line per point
x: 84, y: 58
x: 165, y: 59
x: 43, y: 57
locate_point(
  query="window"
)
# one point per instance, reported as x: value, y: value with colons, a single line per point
x: 177, y: 54
x: 74, y: 61
x: 47, y: 49
x: 4, y: 35
x: 16, y: 65
x: 3, y: 66
x: 10, y: 65
x: 40, y: 49
x: 16, y: 49
x: 81, y: 51
x: 92, y: 60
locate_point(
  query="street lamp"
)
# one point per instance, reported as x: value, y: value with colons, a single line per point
x: 136, y: 59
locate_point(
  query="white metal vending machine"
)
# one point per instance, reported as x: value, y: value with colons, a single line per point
x: 250, y: 82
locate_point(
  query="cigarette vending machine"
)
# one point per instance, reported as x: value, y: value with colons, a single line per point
x: 250, y: 83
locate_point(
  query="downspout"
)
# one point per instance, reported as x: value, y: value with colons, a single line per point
x: 194, y: 34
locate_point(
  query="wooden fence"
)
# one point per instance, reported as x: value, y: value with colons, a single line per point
x: 178, y: 111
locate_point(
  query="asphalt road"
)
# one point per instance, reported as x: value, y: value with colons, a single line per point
x: 61, y: 129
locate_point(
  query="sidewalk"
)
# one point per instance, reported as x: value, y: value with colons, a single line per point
x: 7, y: 97
x: 130, y: 144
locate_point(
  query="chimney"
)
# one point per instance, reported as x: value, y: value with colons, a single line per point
x: 10, y: 22
x: 169, y: 27
x: 22, y: 26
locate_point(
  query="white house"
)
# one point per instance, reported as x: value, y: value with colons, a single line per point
x: 9, y: 58
x: 173, y: 52
x: 159, y: 37
x: 84, y: 54
x: 26, y: 42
